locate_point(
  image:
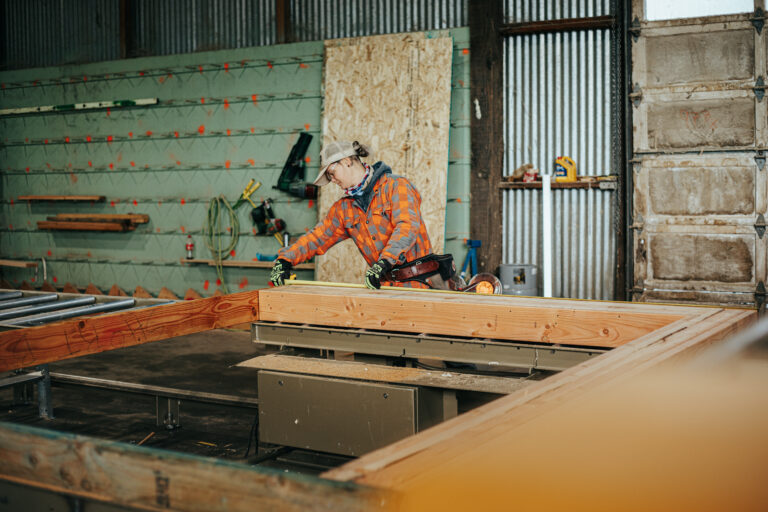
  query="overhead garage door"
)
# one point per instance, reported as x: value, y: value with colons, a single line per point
x: 699, y: 163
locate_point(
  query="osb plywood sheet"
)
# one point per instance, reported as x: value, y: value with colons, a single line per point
x: 392, y: 92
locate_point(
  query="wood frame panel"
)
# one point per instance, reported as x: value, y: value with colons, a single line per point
x: 94, y: 469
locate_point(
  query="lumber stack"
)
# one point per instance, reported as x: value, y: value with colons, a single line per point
x: 94, y: 222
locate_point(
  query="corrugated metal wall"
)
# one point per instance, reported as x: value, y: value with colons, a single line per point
x: 184, y: 26
x: 321, y: 19
x: 53, y: 32
x: 557, y: 102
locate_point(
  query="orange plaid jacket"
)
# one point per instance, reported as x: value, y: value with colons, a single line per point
x: 384, y: 222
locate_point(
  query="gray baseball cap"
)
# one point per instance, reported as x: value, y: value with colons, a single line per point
x: 334, y: 152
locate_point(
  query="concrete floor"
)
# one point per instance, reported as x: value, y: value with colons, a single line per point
x: 197, y: 362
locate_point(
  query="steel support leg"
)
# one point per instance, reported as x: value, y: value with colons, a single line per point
x: 44, y: 403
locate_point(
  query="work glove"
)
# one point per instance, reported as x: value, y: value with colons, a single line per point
x: 281, y: 271
x: 374, y: 274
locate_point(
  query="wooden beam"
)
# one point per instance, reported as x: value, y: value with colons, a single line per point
x: 561, y: 25
x: 73, y: 338
x: 283, y: 21
x: 133, y: 218
x: 83, y: 226
x: 572, y: 322
x: 443, y: 379
x: 411, y: 458
x: 18, y: 264
x: 148, y: 479
x: 96, y: 199
x: 487, y: 130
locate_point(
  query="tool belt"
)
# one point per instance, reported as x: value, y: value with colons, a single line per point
x: 422, y: 268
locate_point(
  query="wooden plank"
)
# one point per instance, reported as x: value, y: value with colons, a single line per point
x: 18, y: 263
x: 82, y: 226
x: 380, y: 373
x: 583, y: 323
x: 140, y: 292
x: 486, y: 64
x: 394, y: 465
x: 165, y: 293
x: 133, y: 218
x: 91, y: 289
x: 245, y: 263
x: 73, y: 338
x: 116, y: 291
x: 148, y: 479
x: 96, y: 199
x: 406, y: 122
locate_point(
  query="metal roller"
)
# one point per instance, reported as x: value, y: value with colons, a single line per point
x: 69, y: 313
x: 10, y: 295
x: 28, y: 301
x: 43, y: 308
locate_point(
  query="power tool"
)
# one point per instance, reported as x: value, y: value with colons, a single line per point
x: 291, y: 179
x: 266, y: 222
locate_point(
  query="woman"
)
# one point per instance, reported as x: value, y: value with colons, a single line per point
x: 380, y: 212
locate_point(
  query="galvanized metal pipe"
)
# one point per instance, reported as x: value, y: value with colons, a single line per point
x: 51, y: 306
x: 10, y: 295
x: 69, y: 313
x: 27, y: 301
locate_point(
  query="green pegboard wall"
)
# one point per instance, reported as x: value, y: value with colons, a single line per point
x: 221, y: 119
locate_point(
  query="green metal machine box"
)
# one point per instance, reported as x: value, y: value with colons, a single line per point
x: 341, y: 416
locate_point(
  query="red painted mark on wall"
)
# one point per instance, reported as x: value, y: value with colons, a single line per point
x: 251, y: 161
x: 73, y: 177
x: 232, y: 252
x: 229, y: 132
x: 206, y: 284
x: 183, y: 229
x: 269, y: 65
x: 699, y: 121
x: 112, y: 204
x: 226, y: 67
x: 50, y: 253
x: 218, y: 282
x: 465, y: 51
x: 226, y: 104
x: 130, y: 134
x: 201, y: 129
x: 253, y: 130
x: 255, y: 99
x: 303, y: 66
x: 55, y: 279
x: 149, y: 133
x: 307, y: 159
x: 135, y: 203
x: 111, y: 166
x: 306, y: 126
x: 176, y: 134
x: 109, y: 138
x: 200, y: 68
x: 310, y: 203
x: 133, y: 164
x: 109, y: 111
x: 243, y: 283
x: 141, y: 73
x: 45, y: 141
x: 202, y: 100
x: 183, y: 201
x: 66, y: 139
x: 178, y: 162
x: 27, y: 169
x: 88, y: 138
x: 227, y: 164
